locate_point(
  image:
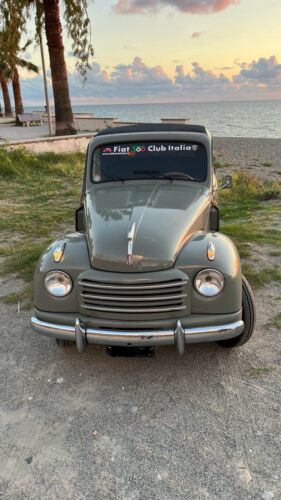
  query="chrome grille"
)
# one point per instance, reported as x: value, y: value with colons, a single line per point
x: 143, y: 298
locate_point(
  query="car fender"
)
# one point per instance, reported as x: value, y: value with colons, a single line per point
x: 193, y: 258
x: 75, y: 259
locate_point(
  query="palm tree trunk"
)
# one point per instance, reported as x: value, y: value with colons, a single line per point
x: 64, y: 116
x: 17, y: 95
x: 6, y: 97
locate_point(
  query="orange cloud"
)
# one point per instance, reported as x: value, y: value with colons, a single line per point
x: 188, y: 6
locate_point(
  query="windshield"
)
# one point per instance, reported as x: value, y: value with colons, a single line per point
x: 150, y: 160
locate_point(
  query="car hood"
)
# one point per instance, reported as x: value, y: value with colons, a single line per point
x: 163, y: 214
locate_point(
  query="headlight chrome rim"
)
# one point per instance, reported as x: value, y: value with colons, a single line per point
x: 209, y: 289
x: 59, y: 276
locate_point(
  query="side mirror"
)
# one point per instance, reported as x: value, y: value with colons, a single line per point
x: 226, y: 182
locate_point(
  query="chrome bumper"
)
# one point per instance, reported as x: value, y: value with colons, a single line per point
x: 83, y: 335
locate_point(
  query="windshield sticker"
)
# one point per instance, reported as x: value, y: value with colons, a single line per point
x: 133, y: 150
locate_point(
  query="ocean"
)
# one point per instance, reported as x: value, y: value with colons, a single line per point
x: 223, y: 119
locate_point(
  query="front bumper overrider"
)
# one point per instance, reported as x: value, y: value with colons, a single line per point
x: 83, y: 334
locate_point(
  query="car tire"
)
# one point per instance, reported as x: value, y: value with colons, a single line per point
x: 248, y: 316
x: 64, y: 343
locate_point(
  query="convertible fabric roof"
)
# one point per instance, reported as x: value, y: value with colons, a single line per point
x: 153, y: 127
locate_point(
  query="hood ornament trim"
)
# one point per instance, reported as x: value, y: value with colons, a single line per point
x: 131, y: 235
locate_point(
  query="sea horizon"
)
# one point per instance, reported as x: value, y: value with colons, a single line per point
x: 251, y: 118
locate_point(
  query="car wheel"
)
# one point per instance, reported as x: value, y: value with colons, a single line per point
x: 64, y: 343
x: 248, y: 316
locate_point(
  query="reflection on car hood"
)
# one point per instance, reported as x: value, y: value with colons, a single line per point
x: 164, y: 214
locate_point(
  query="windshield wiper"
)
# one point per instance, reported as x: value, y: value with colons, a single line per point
x: 155, y: 173
x: 170, y: 175
x: 173, y: 175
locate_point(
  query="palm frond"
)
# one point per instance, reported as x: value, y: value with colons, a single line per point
x: 27, y: 44
x: 27, y: 65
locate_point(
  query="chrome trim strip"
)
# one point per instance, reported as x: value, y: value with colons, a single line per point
x: 133, y: 287
x: 65, y: 332
x: 132, y: 310
x: 139, y: 338
x: 131, y: 236
x: 80, y: 336
x: 180, y: 338
x: 136, y: 298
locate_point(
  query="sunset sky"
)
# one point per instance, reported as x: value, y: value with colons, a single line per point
x: 176, y: 50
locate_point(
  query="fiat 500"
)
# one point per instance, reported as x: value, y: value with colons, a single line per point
x: 147, y: 265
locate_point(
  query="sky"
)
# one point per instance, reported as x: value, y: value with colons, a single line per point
x: 174, y: 51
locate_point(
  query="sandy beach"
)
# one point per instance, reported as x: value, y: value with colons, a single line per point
x: 259, y: 157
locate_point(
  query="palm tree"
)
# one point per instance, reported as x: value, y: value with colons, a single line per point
x: 16, y: 12
x: 9, y: 71
x: 5, y: 92
x: 4, y: 76
x: 16, y: 84
x: 64, y: 117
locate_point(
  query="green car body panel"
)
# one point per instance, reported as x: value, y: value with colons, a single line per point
x: 172, y: 234
x: 161, y: 205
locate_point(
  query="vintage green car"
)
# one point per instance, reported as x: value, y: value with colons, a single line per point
x: 146, y: 265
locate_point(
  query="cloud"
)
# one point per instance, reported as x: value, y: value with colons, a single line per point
x: 134, y: 80
x: 187, y: 6
x: 197, y: 34
x: 264, y: 71
x: 33, y: 89
x: 201, y: 81
x: 224, y: 68
x: 240, y: 64
x: 140, y: 82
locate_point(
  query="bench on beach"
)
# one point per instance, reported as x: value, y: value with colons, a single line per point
x: 28, y: 119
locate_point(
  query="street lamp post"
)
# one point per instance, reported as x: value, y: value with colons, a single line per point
x: 46, y: 86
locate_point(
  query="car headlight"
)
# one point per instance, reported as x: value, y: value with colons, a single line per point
x: 209, y: 282
x: 58, y: 283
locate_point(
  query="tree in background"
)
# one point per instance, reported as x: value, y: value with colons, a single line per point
x: 11, y: 28
x: 9, y: 71
x: 29, y: 66
x: 15, y: 14
x: 5, y: 92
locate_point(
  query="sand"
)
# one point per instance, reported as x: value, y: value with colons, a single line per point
x: 259, y: 157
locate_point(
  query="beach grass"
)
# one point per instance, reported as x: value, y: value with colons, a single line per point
x: 247, y: 210
x: 218, y: 164
x: 262, y: 277
x: 38, y: 199
x: 247, y: 213
x: 40, y: 193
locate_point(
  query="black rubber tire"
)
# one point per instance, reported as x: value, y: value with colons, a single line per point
x: 248, y: 316
x: 64, y: 343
